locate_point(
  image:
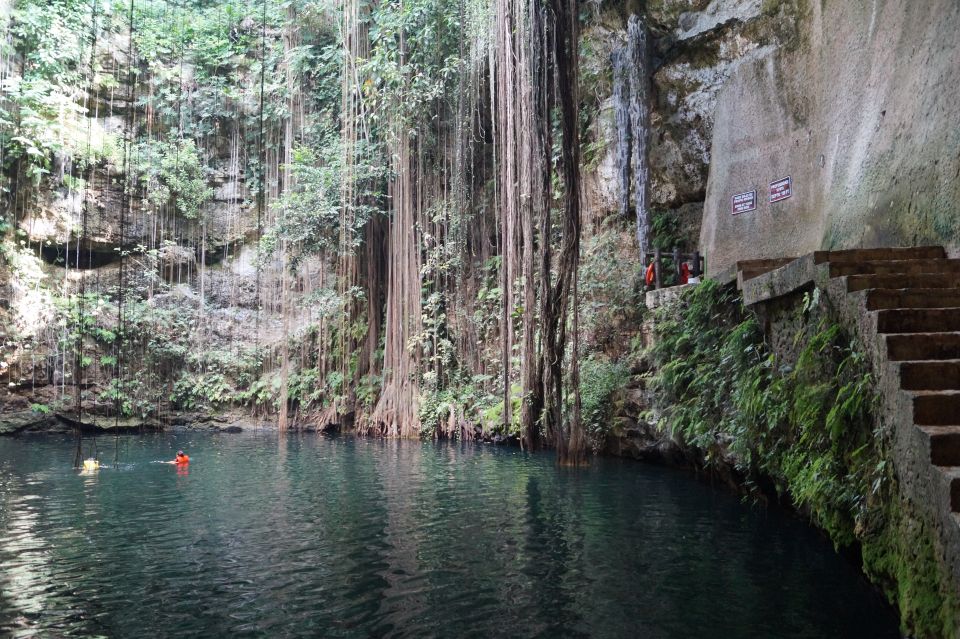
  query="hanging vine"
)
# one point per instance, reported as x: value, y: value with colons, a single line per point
x: 401, y: 250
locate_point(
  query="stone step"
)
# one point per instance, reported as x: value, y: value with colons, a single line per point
x: 923, y: 346
x: 944, y: 442
x: 922, y: 320
x: 749, y: 269
x: 928, y: 376
x: 897, y: 253
x: 923, y: 280
x: 885, y: 298
x: 898, y: 267
x: 936, y: 409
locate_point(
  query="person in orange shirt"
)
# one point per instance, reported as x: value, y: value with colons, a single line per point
x: 651, y: 274
x: 181, y: 458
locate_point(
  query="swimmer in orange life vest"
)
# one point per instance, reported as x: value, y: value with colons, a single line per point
x: 181, y: 458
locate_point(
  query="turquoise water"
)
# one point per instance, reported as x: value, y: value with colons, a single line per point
x: 336, y: 537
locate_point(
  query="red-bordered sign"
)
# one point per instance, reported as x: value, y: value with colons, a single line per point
x: 743, y: 202
x: 781, y: 190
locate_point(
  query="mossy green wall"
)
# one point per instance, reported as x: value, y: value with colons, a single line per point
x: 788, y: 398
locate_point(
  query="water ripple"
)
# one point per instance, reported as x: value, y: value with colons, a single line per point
x: 310, y: 536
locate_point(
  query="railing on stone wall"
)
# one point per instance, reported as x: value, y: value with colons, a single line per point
x: 675, y: 259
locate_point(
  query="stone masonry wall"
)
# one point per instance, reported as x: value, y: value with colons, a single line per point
x: 861, y: 112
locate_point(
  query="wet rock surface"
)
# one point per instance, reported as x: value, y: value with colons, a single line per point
x: 14, y: 422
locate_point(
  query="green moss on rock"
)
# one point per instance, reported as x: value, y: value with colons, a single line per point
x: 901, y: 556
x: 802, y: 418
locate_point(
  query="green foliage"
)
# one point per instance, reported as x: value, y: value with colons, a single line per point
x: 593, y: 153
x: 368, y: 390
x: 600, y: 379
x: 311, y: 211
x: 43, y: 409
x: 462, y: 399
x: 434, y: 341
x: 173, y: 172
x: 261, y: 392
x: 703, y: 345
x: 665, y: 230
x: 153, y: 350
x: 809, y: 427
x: 491, y: 413
x: 202, y: 391
x: 24, y: 263
x: 131, y: 396
x: 436, y: 408
x: 78, y: 315
x: 303, y: 387
x: 41, y: 105
x: 901, y: 557
x: 197, y: 68
x: 487, y: 308
x: 310, y: 388
x: 611, y: 301
x: 405, y: 83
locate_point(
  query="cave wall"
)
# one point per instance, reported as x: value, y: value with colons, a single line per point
x: 861, y: 111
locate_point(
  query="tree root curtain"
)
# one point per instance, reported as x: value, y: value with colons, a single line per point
x: 378, y: 205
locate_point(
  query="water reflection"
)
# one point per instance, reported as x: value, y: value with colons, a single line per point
x: 308, y: 536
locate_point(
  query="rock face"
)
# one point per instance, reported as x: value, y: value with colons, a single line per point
x: 186, y: 287
x: 13, y: 422
x: 58, y: 217
x: 696, y: 46
x: 862, y: 114
x: 718, y: 12
x: 635, y: 436
x: 113, y: 222
x: 688, y: 87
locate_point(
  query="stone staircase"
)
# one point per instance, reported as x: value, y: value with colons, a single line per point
x: 905, y: 304
x: 914, y: 295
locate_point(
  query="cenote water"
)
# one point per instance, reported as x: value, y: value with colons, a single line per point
x: 336, y: 537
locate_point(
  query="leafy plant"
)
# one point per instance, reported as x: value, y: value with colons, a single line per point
x: 173, y: 172
x: 809, y: 425
x: 202, y: 390
x: 600, y: 380
x: 43, y: 409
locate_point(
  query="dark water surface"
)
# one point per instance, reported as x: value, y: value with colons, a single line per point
x: 312, y: 536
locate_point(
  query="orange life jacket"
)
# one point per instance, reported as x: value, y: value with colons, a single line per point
x: 183, y: 459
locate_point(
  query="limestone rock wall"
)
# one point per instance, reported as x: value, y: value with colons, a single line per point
x: 853, y: 101
x: 860, y: 110
x: 696, y: 46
